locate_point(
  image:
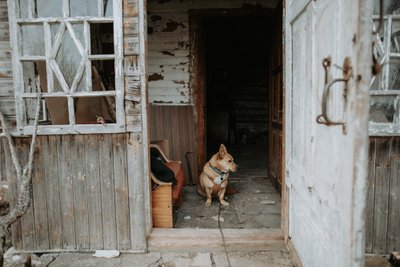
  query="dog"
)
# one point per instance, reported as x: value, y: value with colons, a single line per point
x: 214, y: 178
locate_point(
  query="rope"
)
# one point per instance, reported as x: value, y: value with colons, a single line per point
x: 222, y: 235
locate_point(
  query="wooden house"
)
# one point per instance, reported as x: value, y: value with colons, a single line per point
x: 115, y: 74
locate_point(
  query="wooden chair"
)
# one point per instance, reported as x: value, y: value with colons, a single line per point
x: 165, y: 195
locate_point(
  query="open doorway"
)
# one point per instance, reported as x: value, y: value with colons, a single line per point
x: 237, y: 65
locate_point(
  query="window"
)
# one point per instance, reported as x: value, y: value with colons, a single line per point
x: 68, y: 52
x: 385, y: 87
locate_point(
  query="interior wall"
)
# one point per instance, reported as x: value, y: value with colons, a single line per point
x: 168, y: 44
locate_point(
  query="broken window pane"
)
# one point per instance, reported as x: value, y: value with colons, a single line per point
x: 53, y: 110
x: 103, y: 75
x: 34, y: 73
x: 95, y: 110
x: 32, y: 37
x: 79, y: 8
x: 385, y: 109
x: 102, y: 38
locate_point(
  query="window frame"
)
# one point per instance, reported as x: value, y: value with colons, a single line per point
x: 52, y: 69
x: 383, y: 128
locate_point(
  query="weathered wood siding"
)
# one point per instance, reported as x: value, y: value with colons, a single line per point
x: 383, y: 205
x: 81, y: 196
x: 90, y: 191
x: 176, y: 123
x: 168, y: 61
x: 6, y: 82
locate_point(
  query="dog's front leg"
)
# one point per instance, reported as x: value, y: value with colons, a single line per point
x: 208, y: 194
x: 221, y: 195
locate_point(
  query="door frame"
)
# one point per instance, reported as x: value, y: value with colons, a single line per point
x: 197, y: 67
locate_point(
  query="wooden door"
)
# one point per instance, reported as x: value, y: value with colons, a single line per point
x: 326, y: 165
x: 275, y: 151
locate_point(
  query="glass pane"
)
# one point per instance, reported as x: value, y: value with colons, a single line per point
x: 103, y: 75
x: 95, y: 110
x: 68, y: 57
x: 80, y: 8
x: 102, y: 38
x: 395, y: 40
x: 23, y: 9
x: 385, y: 109
x: 53, y: 110
x: 34, y: 73
x: 32, y: 40
x: 394, y: 74
x: 108, y: 7
x: 46, y: 8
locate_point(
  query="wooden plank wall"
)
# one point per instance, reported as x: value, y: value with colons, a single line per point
x: 176, y: 123
x: 80, y: 194
x: 383, y: 205
x: 6, y: 82
x: 168, y: 39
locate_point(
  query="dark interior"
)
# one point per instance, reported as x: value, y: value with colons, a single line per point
x: 236, y: 56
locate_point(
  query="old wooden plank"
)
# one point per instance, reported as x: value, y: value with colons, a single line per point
x: 11, y: 177
x: 382, y: 178
x: 66, y: 163
x: 107, y: 191
x: 136, y: 192
x: 130, y: 8
x: 28, y: 220
x: 80, y: 192
x: 393, y: 242
x: 3, y: 176
x: 93, y: 184
x: 39, y: 196
x: 121, y: 191
x: 51, y: 154
x: 369, y: 221
x: 131, y: 45
x: 205, y: 239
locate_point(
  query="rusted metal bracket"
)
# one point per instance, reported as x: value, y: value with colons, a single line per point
x: 381, y: 16
x: 347, y: 73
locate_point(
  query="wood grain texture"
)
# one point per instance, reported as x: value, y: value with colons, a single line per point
x: 50, y: 148
x: 176, y: 123
x: 80, y: 193
x: 107, y: 191
x: 382, y: 183
x: 121, y: 192
x: 162, y: 207
x: 393, y: 235
x: 369, y: 220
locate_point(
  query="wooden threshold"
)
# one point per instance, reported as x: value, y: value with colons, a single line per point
x: 210, y: 240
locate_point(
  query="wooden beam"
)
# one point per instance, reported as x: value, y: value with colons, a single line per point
x: 210, y: 240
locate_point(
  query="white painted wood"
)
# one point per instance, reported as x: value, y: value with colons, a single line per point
x: 326, y: 170
x: 143, y: 50
x: 118, y: 61
x: 52, y: 47
x: 169, y: 48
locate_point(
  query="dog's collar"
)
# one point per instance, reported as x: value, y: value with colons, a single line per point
x: 217, y: 171
x: 220, y: 177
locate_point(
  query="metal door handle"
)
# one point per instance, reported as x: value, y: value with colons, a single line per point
x: 324, y: 118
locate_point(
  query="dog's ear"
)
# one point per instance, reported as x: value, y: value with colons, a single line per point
x: 222, y: 151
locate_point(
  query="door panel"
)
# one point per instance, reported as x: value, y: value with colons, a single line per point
x: 326, y: 169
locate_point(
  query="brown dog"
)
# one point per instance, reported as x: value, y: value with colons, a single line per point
x: 214, y: 178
